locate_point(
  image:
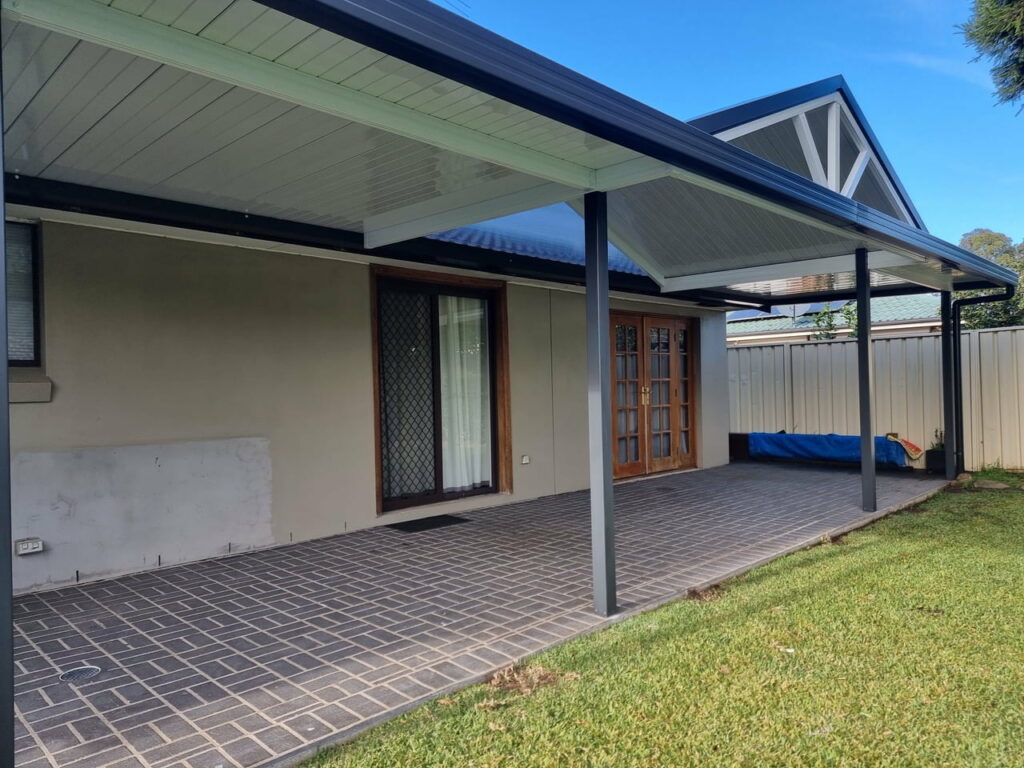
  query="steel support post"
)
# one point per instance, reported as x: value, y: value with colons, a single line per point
x: 949, y: 385
x: 6, y: 579
x: 865, y: 382
x: 602, y: 502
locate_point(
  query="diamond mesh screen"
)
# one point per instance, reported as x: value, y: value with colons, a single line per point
x: 407, y: 393
x: 21, y: 315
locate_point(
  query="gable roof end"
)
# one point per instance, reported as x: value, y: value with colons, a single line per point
x: 730, y: 118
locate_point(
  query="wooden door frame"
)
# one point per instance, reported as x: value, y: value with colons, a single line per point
x: 642, y: 320
x: 693, y: 377
x: 501, y: 385
x: 639, y: 467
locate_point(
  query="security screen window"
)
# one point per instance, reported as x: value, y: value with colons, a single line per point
x: 22, y: 307
x: 436, y: 389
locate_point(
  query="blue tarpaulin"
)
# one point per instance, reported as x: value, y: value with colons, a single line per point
x: 770, y: 445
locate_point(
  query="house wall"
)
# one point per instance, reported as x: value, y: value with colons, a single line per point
x: 164, y: 353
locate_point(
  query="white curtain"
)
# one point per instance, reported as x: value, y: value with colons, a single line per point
x: 465, y: 393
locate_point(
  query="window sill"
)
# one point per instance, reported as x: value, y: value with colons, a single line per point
x: 29, y: 385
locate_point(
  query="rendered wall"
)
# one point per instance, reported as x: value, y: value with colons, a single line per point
x: 126, y: 508
x: 154, y: 342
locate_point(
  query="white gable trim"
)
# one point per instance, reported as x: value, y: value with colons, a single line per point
x: 828, y: 174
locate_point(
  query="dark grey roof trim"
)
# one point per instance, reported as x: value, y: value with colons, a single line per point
x: 755, y: 109
x: 64, y: 196
x: 428, y: 36
x: 96, y: 201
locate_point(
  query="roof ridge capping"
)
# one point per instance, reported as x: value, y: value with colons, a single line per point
x: 723, y: 119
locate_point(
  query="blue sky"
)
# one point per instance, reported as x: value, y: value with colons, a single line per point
x: 960, y: 157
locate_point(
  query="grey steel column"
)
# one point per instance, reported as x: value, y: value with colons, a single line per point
x: 6, y: 580
x: 956, y: 334
x: 599, y: 405
x: 949, y: 387
x: 865, y: 381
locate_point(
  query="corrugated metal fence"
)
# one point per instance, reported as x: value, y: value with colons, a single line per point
x: 811, y: 387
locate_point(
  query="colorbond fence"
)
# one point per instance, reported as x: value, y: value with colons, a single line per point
x: 811, y: 387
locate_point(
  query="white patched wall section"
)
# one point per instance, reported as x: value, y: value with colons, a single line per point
x: 113, y: 510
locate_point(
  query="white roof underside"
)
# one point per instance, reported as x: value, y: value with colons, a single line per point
x: 235, y: 106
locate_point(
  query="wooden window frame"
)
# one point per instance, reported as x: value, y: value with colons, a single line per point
x: 495, y: 291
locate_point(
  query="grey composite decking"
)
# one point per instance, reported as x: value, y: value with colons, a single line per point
x: 258, y: 658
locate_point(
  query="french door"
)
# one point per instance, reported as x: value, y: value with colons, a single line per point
x: 652, y: 394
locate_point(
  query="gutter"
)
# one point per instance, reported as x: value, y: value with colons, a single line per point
x: 958, y: 384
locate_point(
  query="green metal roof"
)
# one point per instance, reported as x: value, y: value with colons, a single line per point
x: 884, y: 309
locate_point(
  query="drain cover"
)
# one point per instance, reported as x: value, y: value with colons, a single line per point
x: 79, y: 674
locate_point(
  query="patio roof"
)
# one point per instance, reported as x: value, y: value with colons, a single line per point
x: 394, y: 121
x: 368, y: 124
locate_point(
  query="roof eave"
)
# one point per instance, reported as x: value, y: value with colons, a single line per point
x: 447, y: 44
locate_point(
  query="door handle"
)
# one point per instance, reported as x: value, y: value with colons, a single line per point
x: 645, y: 395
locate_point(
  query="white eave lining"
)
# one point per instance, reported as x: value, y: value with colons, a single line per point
x: 118, y: 30
x: 546, y: 179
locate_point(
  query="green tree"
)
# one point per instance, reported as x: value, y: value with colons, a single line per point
x: 849, y: 312
x: 824, y: 323
x: 999, y: 248
x: 995, y: 30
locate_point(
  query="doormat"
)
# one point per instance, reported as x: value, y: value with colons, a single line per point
x: 427, y: 523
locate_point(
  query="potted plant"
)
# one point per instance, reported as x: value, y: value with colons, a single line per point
x: 935, y: 456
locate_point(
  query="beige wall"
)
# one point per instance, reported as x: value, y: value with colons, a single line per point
x: 152, y: 340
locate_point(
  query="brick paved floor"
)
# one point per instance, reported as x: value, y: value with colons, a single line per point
x: 248, y: 659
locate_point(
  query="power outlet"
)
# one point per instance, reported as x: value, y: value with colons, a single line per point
x: 30, y: 546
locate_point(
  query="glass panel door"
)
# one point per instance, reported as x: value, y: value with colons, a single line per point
x: 660, y: 385
x: 628, y: 442
x: 653, y: 398
x: 436, y: 390
x: 686, y: 446
x: 407, y: 423
x: 465, y: 365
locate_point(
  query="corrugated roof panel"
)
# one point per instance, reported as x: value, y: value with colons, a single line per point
x: 777, y: 143
x: 251, y: 27
x: 554, y: 232
x: 884, y: 309
x: 85, y: 114
x: 685, y: 229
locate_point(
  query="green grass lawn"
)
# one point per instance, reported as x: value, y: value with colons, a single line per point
x: 900, y: 645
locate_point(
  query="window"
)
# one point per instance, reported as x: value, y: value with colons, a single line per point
x: 22, y: 295
x: 437, y: 390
